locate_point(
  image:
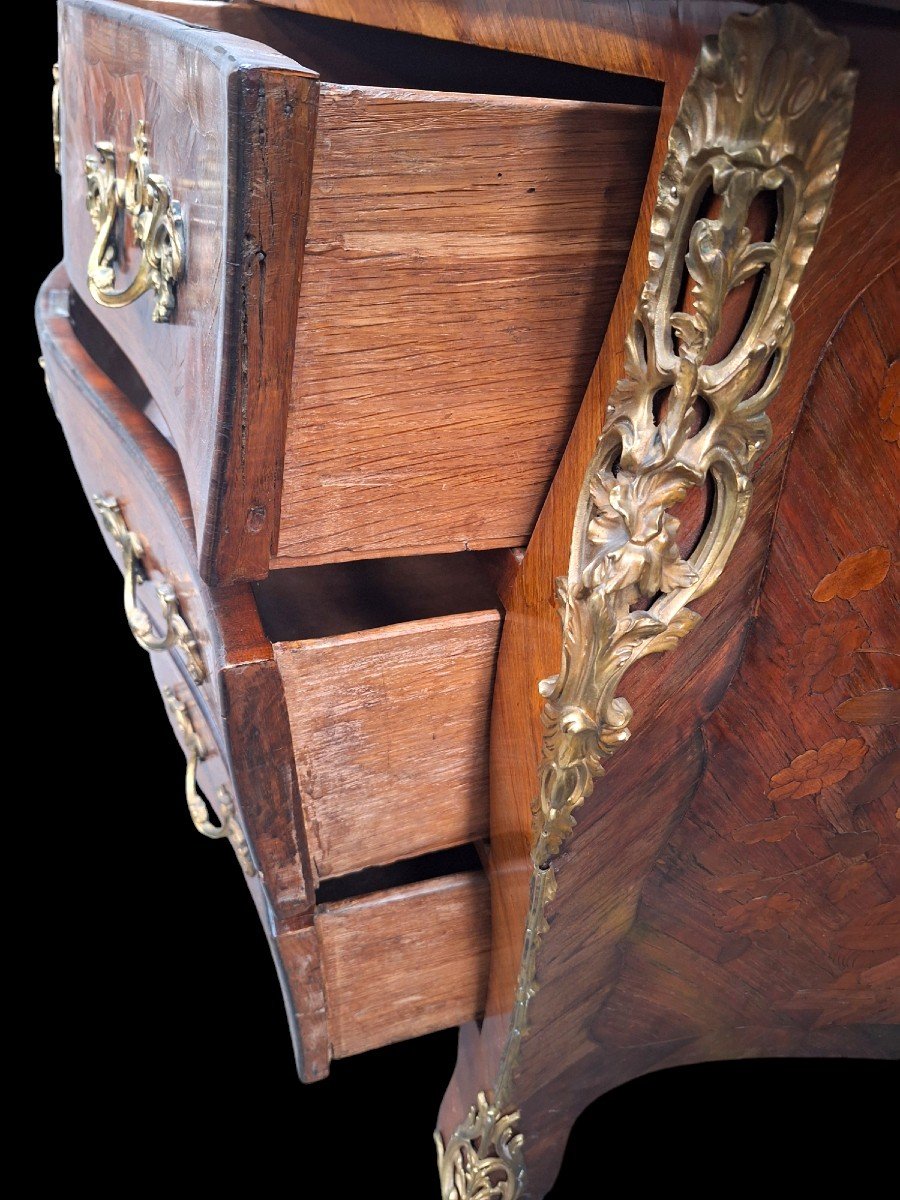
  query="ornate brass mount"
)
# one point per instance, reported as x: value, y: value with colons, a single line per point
x: 54, y: 108
x: 155, y: 221
x: 767, y: 111
x: 484, y: 1157
x: 197, y: 806
x: 176, y: 633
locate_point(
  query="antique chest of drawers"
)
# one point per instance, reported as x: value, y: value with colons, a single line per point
x: 374, y: 313
x: 325, y: 340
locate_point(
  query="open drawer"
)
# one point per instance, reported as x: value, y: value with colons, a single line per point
x: 391, y: 284
x: 366, y: 889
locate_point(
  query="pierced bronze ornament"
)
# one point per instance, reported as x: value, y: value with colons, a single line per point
x: 767, y: 109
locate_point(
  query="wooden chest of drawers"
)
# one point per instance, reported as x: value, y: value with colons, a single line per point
x: 331, y: 299
x: 386, y: 305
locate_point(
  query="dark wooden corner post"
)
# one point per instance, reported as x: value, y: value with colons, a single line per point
x: 711, y: 889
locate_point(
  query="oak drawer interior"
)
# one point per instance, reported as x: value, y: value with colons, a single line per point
x: 387, y: 668
x: 404, y: 962
x: 470, y: 216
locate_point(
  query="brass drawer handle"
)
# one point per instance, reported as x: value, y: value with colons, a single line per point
x: 155, y: 221
x: 197, y: 806
x: 176, y: 631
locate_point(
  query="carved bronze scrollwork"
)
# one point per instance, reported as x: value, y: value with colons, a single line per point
x: 156, y: 224
x: 483, y: 1160
x: 767, y: 111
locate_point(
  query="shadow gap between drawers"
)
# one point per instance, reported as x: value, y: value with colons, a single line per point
x: 458, y: 860
x: 299, y: 603
x: 345, y: 52
x: 114, y: 362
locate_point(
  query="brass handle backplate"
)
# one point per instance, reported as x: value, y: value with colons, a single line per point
x: 155, y: 221
x: 176, y: 633
x: 228, y: 826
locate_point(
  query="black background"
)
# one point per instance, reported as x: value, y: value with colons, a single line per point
x: 152, y: 1020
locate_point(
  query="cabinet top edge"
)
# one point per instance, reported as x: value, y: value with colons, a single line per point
x: 228, y: 52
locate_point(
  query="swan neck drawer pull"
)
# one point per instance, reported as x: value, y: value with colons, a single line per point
x: 155, y: 221
x: 176, y: 633
x: 228, y: 826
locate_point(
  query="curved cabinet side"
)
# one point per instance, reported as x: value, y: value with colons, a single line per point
x: 584, y: 926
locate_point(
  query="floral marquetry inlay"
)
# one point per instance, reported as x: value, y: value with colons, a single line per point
x: 814, y: 770
x: 854, y: 574
x: 825, y: 654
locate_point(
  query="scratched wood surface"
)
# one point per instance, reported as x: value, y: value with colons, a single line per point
x: 390, y: 729
x: 462, y: 256
x: 230, y: 125
x: 381, y: 987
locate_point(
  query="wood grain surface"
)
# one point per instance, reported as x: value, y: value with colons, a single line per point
x: 230, y: 124
x: 383, y: 984
x: 390, y: 729
x: 462, y: 256
x: 637, y: 38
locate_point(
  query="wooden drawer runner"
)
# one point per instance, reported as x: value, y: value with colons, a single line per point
x: 459, y: 263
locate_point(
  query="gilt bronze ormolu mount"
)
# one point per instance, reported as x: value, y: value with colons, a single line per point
x: 767, y: 115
